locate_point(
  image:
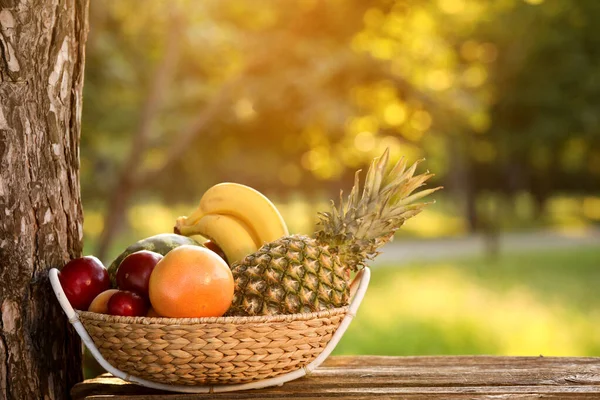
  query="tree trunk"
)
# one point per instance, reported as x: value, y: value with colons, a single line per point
x: 41, y: 79
x: 461, y: 180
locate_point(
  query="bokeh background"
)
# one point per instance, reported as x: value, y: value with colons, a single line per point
x: 502, y: 98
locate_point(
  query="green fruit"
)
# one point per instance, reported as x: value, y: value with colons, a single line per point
x: 162, y: 244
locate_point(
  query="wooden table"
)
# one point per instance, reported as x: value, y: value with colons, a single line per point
x: 362, y: 377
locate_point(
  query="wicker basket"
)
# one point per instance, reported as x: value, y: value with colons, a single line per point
x: 203, y: 355
x: 199, y: 351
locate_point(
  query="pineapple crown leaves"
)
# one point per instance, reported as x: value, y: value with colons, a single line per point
x: 357, y: 227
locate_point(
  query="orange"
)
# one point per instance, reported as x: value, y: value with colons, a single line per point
x: 191, y: 281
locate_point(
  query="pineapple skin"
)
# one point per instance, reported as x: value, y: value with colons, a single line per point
x: 294, y: 274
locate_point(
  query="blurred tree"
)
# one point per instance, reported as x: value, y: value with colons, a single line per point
x: 545, y: 122
x: 200, y: 85
x: 286, y: 98
x: 515, y: 107
x: 128, y: 179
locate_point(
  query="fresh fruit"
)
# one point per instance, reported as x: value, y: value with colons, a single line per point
x: 82, y: 279
x: 100, y: 302
x: 230, y: 233
x: 297, y: 274
x: 135, y: 269
x: 209, y: 244
x: 191, y: 281
x: 161, y: 244
x: 242, y: 202
x: 128, y: 304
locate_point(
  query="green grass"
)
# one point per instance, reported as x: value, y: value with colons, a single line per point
x: 521, y: 304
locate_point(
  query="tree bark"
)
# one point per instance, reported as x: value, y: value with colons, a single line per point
x: 41, y: 79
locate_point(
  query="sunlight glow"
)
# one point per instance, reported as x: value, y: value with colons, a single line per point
x: 364, y: 141
x: 384, y: 49
x: 451, y: 6
x: 244, y: 109
x: 373, y: 18
x: 94, y: 223
x: 361, y: 124
x: 421, y: 120
x: 412, y: 134
x: 321, y: 163
x: 137, y: 216
x: 394, y: 114
x: 474, y: 76
x: 311, y: 160
x: 421, y: 21
x: 439, y: 80
x: 432, y: 223
x: 389, y: 142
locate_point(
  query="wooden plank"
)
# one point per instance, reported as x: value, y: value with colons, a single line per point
x: 406, y: 377
x: 410, y: 377
x: 480, y: 361
x: 529, y: 392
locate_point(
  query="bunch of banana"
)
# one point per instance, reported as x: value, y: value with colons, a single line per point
x: 236, y: 217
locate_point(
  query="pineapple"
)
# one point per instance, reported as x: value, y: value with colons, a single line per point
x: 300, y: 274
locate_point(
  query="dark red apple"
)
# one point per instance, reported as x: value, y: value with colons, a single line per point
x: 128, y: 304
x: 215, y: 247
x: 82, y: 279
x: 135, y: 269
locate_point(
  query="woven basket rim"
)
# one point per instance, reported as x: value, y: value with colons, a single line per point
x: 117, y: 319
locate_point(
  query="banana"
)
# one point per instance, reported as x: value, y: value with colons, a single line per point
x: 243, y: 202
x: 231, y: 234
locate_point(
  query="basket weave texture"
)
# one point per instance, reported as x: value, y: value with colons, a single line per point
x: 224, y: 350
